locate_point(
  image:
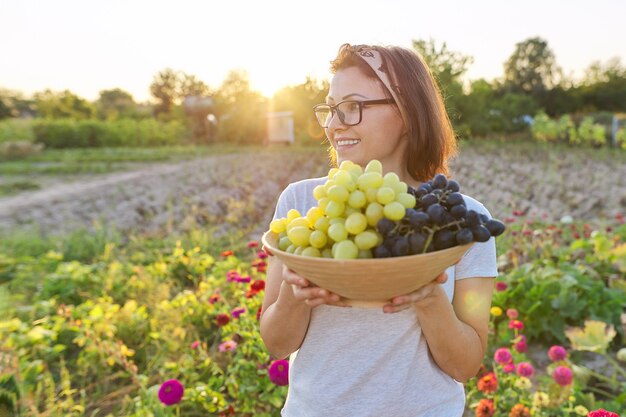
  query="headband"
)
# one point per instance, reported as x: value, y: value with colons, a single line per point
x: 374, y: 59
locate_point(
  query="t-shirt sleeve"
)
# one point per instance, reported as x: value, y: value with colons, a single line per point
x: 480, y: 260
x: 286, y: 201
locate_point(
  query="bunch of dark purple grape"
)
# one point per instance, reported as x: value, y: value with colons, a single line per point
x: 439, y: 220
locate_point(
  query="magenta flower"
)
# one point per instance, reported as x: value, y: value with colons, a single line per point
x: 521, y: 346
x: 238, y: 312
x: 601, y: 413
x: 516, y: 324
x: 512, y: 313
x: 503, y: 356
x: 232, y: 276
x: 557, y: 353
x: 195, y: 345
x: 228, y: 346
x: 171, y: 392
x: 562, y: 375
x: 501, y: 286
x: 279, y: 372
x: 509, y: 368
x: 261, y: 255
x: 244, y: 279
x: 525, y: 369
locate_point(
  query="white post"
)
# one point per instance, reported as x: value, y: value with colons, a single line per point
x: 614, y: 132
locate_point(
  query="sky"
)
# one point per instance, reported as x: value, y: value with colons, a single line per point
x: 87, y: 46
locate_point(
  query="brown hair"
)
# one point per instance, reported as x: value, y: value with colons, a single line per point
x: 431, y: 137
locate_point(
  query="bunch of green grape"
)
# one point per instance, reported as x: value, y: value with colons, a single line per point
x: 350, y: 204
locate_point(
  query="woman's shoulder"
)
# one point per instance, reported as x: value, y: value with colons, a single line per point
x: 305, y: 184
x: 473, y: 204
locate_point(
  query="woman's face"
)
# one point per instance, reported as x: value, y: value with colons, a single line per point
x: 379, y: 135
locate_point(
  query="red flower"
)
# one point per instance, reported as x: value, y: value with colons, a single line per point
x: 258, y: 314
x: 214, y: 298
x: 501, y: 286
x: 262, y: 255
x: 222, y: 319
x: 485, y: 408
x: 257, y: 285
x: 516, y: 324
x: 519, y: 410
x: 562, y: 375
x: 230, y: 411
x: 253, y: 244
x: 602, y: 413
x: 227, y: 253
x: 488, y: 383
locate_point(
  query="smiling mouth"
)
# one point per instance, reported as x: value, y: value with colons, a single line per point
x: 347, y: 142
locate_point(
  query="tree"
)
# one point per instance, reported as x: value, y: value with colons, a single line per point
x: 447, y: 67
x: 189, y: 85
x: 115, y: 104
x: 164, y: 88
x: 531, y: 69
x: 604, y: 87
x: 65, y: 104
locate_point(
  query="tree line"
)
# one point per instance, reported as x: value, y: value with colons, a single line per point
x: 532, y: 82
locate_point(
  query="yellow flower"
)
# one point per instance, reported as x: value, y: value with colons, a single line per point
x: 523, y: 383
x: 581, y: 410
x: 496, y: 311
x: 541, y: 399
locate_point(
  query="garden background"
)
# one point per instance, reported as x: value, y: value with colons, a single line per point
x: 130, y: 264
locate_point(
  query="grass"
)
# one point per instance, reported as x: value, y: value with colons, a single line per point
x: 17, y: 187
x: 104, y: 160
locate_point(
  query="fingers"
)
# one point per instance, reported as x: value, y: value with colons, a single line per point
x: 405, y: 301
x: 307, y: 292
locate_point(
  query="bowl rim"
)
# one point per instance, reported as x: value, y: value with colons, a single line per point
x: 333, y: 261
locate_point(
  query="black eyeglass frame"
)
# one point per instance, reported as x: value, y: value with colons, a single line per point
x: 361, y: 103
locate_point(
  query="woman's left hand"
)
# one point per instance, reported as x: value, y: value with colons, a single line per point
x: 402, y: 302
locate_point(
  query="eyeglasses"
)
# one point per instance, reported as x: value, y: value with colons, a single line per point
x: 350, y: 112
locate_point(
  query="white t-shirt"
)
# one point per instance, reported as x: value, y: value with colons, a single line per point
x: 361, y: 362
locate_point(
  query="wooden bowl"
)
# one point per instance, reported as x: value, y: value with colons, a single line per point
x: 368, y: 282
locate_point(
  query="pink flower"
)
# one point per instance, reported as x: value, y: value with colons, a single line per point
x: 232, y: 276
x: 525, y: 369
x: 512, y: 313
x: 214, y: 299
x: 503, y: 356
x: 521, y: 346
x: 509, y: 368
x: 228, y: 346
x: 253, y: 244
x: 501, y: 286
x: 557, y: 353
x: 516, y: 324
x: 171, y: 392
x: 238, y: 312
x: 261, y: 255
x: 562, y: 375
x: 195, y: 345
x: 244, y: 279
x: 601, y: 413
x: 279, y: 372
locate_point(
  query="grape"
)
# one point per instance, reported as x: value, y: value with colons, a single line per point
x: 428, y: 200
x: 385, y: 226
x: 374, y: 213
x: 436, y: 213
x: 481, y: 233
x: 454, y: 199
x: 318, y: 239
x: 319, y: 192
x: 278, y: 225
x: 366, y: 240
x: 338, y: 193
x: 472, y: 219
x: 334, y: 209
x: 381, y: 252
x: 327, y: 253
x: 314, y: 214
x: 464, y: 236
x: 292, y: 214
x: 417, y: 218
x: 385, y: 195
x: 299, y: 235
x: 416, y: 243
x: 406, y: 199
x: 444, y: 239
x: 356, y: 223
x: 440, y: 181
x: 374, y: 166
x: 394, y: 211
x: 342, y: 178
x: 458, y: 211
x: 357, y: 199
x: 369, y: 180
x: 298, y: 221
x: 364, y: 254
x: 346, y: 249
x: 310, y: 251
x: 337, y: 232
x: 283, y: 243
x: 400, y: 246
x: 453, y: 186
x: 495, y: 227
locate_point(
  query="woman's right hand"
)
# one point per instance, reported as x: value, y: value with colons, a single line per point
x: 307, y: 292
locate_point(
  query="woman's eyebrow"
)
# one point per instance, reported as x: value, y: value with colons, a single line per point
x: 345, y: 97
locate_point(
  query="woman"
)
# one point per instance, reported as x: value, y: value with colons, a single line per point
x: 411, y: 357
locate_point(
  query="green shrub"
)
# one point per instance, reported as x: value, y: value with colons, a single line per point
x: 16, y: 130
